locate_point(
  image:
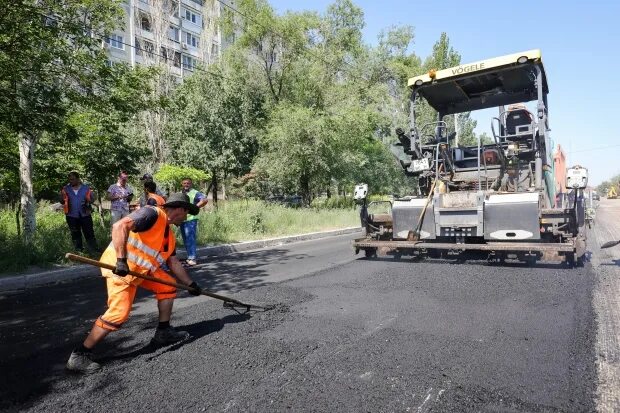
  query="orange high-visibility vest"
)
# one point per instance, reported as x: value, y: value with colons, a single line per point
x: 159, y: 199
x: 146, y: 251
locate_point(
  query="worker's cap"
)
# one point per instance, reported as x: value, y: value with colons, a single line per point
x: 147, y: 177
x: 181, y: 200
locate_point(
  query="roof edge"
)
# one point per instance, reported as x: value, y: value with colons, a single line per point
x: 533, y: 55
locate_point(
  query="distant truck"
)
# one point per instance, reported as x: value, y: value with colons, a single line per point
x: 497, y: 198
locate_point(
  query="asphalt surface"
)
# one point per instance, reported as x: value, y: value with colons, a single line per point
x: 347, y: 334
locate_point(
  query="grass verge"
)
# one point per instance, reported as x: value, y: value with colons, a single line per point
x: 233, y: 221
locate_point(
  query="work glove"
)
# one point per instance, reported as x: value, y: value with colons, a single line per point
x: 121, y: 268
x: 196, y: 289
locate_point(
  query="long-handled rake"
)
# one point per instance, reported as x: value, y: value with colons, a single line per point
x: 228, y: 302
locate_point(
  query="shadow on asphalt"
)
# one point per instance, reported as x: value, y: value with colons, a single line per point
x: 232, y: 274
x: 40, y: 327
x: 613, y: 263
x: 196, y: 331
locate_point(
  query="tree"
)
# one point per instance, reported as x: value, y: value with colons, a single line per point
x: 337, y: 144
x: 50, y: 53
x: 9, y: 173
x: 443, y: 57
x: 103, y: 143
x: 214, y: 116
x: 154, y: 51
x: 275, y: 42
x: 329, y: 107
x: 95, y: 139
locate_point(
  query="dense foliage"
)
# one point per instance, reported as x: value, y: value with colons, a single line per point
x: 298, y: 105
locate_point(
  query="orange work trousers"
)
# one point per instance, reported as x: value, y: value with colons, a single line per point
x: 122, y: 293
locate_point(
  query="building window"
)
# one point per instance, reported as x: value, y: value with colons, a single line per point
x: 145, y: 23
x: 189, y: 62
x: 177, y: 59
x: 173, y: 33
x: 193, y: 17
x: 144, y: 47
x: 115, y: 41
x: 191, y: 39
x: 215, y: 49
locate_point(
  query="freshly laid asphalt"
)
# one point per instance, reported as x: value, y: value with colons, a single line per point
x: 346, y: 334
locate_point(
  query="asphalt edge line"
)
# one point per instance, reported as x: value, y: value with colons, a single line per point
x: 23, y: 282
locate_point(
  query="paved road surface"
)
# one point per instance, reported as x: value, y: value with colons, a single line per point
x: 347, y: 335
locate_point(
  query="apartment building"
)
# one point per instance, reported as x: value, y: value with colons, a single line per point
x: 177, y: 34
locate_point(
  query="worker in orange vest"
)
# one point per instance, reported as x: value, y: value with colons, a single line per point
x: 144, y: 197
x: 152, y: 198
x: 142, y: 242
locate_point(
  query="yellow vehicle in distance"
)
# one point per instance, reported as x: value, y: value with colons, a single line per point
x: 612, y: 192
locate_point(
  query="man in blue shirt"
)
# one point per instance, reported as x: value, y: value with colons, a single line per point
x: 77, y: 199
x: 189, y: 228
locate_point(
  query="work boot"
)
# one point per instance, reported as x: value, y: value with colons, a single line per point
x: 169, y: 335
x: 81, y: 363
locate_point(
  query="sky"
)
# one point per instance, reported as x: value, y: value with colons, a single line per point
x: 580, y: 45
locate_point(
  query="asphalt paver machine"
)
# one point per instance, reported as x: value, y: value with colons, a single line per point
x: 495, y: 198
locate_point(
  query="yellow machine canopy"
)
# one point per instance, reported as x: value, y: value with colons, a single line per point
x: 485, y: 84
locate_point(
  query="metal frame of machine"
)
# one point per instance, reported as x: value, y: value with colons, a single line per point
x: 498, y: 198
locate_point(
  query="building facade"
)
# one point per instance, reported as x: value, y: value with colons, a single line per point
x: 177, y: 34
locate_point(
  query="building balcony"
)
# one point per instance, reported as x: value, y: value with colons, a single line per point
x: 194, y: 4
x: 189, y: 26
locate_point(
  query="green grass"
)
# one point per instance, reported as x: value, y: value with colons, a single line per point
x: 250, y: 220
x: 233, y: 221
x: 49, y: 245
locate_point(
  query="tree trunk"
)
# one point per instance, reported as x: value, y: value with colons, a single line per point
x: 304, y: 186
x: 100, y: 210
x: 215, y: 189
x: 18, y: 224
x: 26, y: 159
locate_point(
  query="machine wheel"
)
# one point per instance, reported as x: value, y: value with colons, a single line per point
x: 370, y: 252
x: 572, y: 261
